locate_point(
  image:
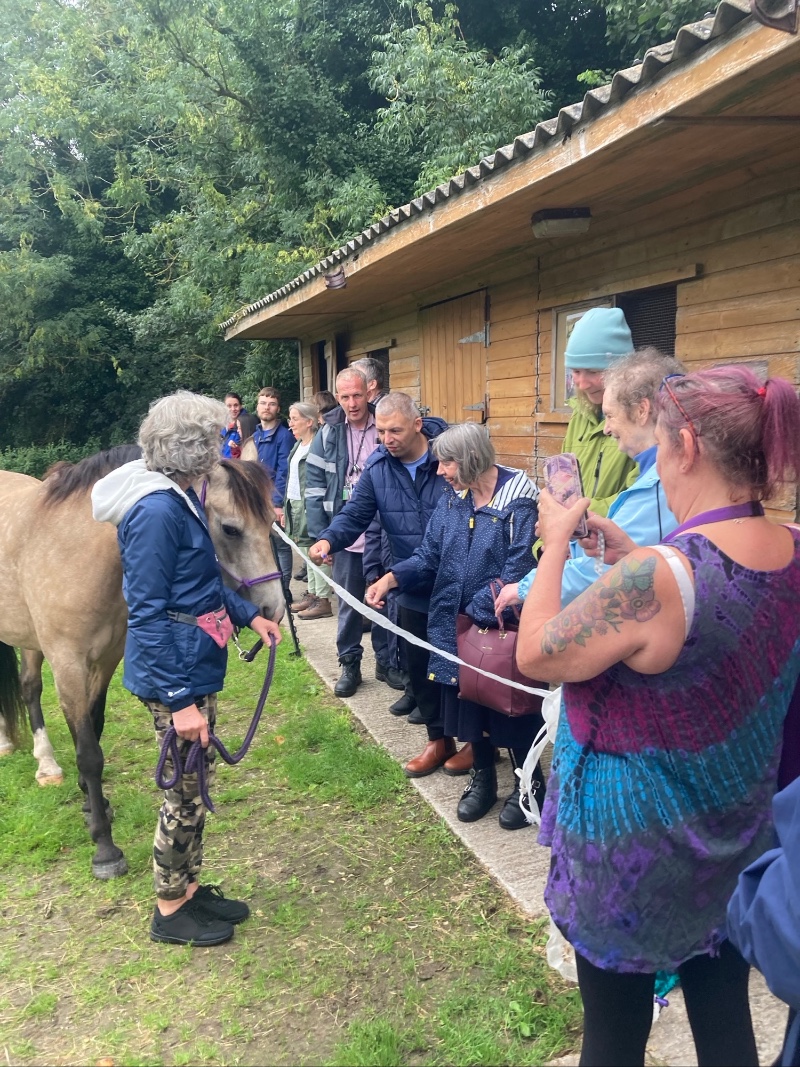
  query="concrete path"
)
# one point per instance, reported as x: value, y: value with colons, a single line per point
x: 514, y: 859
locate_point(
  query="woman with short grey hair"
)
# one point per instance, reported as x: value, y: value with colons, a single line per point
x: 481, y: 532
x: 180, y: 435
x: 180, y: 616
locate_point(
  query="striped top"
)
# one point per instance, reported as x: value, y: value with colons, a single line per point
x: 662, y: 784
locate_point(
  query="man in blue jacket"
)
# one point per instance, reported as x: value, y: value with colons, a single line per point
x: 274, y: 441
x: 401, y: 486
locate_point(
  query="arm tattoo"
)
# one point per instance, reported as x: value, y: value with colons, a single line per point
x: 628, y: 596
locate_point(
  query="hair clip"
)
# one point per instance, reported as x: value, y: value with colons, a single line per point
x: 762, y: 391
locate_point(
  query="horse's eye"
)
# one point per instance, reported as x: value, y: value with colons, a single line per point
x: 231, y: 531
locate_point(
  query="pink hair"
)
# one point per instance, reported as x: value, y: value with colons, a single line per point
x: 749, y: 431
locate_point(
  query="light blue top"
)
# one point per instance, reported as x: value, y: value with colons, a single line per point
x: 641, y: 511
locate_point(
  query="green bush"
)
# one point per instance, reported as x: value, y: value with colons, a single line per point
x: 35, y: 459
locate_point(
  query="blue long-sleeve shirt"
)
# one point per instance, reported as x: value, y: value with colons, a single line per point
x: 641, y: 511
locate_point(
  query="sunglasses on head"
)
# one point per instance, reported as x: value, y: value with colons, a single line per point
x: 665, y: 385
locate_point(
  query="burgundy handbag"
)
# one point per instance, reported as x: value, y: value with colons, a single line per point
x: 493, y: 650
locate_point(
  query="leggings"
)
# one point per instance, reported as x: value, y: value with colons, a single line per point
x: 618, y: 1012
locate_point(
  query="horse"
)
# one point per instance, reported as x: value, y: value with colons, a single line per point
x: 61, y: 591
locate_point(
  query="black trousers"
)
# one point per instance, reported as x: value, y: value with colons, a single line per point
x: 426, y: 693
x: 618, y: 1012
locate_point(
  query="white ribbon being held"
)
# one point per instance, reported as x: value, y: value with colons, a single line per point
x: 380, y: 620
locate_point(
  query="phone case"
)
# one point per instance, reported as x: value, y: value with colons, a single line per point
x: 563, y: 481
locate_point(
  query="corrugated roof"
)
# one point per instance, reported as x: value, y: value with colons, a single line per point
x: 689, y: 40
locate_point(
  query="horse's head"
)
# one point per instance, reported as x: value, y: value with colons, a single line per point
x: 240, y: 515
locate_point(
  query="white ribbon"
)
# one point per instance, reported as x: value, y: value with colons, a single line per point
x: 381, y: 620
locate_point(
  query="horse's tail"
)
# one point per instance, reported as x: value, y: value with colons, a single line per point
x: 12, y: 709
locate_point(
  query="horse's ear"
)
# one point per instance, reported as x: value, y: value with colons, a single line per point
x: 249, y: 450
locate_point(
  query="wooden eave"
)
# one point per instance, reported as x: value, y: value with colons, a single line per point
x: 732, y: 103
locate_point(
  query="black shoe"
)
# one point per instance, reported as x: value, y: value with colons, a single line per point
x: 512, y: 816
x: 415, y: 718
x: 350, y: 678
x: 479, y: 796
x: 405, y: 704
x: 190, y: 925
x: 301, y: 575
x: 214, y: 903
x: 394, y: 678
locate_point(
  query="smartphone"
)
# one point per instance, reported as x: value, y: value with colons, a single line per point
x: 562, y: 475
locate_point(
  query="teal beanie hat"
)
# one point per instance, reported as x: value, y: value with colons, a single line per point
x: 599, y: 337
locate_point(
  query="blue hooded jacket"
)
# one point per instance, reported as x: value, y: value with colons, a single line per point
x: 404, y: 507
x: 273, y: 447
x: 168, y: 564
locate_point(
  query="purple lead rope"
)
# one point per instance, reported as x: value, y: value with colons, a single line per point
x: 195, y: 759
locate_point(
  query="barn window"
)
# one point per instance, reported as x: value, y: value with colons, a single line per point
x: 650, y: 314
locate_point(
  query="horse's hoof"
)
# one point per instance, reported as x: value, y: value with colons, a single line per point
x: 110, y: 869
x: 50, y: 779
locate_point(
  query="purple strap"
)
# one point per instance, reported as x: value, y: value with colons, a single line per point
x: 195, y: 762
x: 733, y: 511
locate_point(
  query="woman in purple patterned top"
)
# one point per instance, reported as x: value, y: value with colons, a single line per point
x: 679, y: 665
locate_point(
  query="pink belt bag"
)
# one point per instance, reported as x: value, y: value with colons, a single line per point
x: 216, y: 624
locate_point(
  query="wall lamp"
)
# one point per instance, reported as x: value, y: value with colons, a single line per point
x: 560, y: 221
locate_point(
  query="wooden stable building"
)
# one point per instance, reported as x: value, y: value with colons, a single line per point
x: 686, y: 169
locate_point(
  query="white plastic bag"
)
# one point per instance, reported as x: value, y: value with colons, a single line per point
x: 551, y: 707
x: 561, y: 954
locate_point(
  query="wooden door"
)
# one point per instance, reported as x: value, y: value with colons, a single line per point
x: 453, y: 358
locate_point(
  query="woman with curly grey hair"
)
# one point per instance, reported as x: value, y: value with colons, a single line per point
x: 179, y: 620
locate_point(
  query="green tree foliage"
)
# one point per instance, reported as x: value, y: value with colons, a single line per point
x: 163, y: 162
x: 449, y: 105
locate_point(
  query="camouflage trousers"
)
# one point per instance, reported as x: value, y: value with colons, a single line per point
x: 178, y: 844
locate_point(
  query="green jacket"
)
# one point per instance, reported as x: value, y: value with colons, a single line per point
x: 605, y: 470
x: 298, y: 531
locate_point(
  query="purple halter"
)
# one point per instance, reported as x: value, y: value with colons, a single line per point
x: 241, y: 583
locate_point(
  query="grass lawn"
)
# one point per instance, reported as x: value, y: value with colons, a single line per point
x: 375, y: 937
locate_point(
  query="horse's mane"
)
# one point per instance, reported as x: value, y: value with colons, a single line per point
x: 251, y: 487
x: 64, y: 480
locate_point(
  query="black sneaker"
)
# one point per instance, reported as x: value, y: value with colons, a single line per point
x: 394, y: 678
x: 214, y: 903
x: 415, y: 718
x: 190, y: 925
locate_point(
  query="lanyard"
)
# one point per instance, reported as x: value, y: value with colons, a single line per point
x: 733, y: 511
x: 354, y: 468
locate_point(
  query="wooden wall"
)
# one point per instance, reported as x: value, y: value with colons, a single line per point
x: 731, y: 244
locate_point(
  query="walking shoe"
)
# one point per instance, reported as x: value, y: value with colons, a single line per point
x: 432, y: 756
x: 191, y: 924
x: 461, y: 763
x: 479, y: 796
x: 512, y: 817
x: 350, y: 678
x: 405, y: 704
x: 301, y: 575
x: 415, y: 718
x: 308, y: 601
x: 214, y: 903
x: 320, y: 609
x: 394, y: 678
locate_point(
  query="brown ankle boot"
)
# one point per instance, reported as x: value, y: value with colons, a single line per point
x: 320, y: 609
x: 461, y: 763
x: 432, y: 756
x: 307, y: 601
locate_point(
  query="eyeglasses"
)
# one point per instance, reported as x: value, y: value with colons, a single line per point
x: 671, y: 393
